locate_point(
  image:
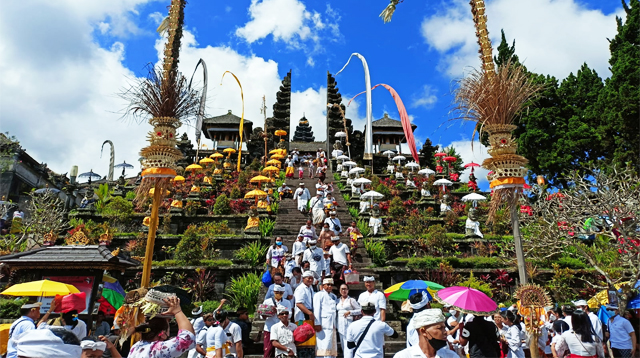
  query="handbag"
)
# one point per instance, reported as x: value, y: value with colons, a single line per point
x: 303, y: 333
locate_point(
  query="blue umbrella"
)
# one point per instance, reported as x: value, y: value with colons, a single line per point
x: 603, y: 315
x: 91, y: 175
x: 124, y: 165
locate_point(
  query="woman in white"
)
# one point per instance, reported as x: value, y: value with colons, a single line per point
x: 512, y: 335
x: 347, y: 308
x: 324, y: 310
x: 275, y: 255
x: 581, y: 340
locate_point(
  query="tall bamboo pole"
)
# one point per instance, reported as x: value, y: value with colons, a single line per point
x: 151, y: 238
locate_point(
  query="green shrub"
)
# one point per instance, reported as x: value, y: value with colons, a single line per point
x: 236, y: 193
x: 253, y: 253
x: 363, y: 226
x: 266, y: 226
x: 377, y: 252
x: 222, y: 205
x: 243, y: 180
x: 354, y: 213
x: 346, y: 197
x: 118, y: 209
x: 424, y: 262
x: 473, y: 282
x: 131, y: 195
x: 10, y: 308
x: 383, y: 189
x: 400, y: 186
x: 203, y: 263
x: 336, y: 176
x: 244, y: 290
x: 437, y: 240
x: 214, y: 228
x: 463, y: 188
x: 570, y: 262
x: 104, y: 195
x: 189, y: 249
x: 396, y: 208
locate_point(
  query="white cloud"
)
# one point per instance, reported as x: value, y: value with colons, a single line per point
x: 227, y: 9
x: 477, y: 154
x: 58, y: 89
x: 426, y: 98
x: 552, y: 36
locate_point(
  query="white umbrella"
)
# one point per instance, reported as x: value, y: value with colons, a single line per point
x: 442, y: 182
x: 399, y: 157
x: 412, y: 165
x: 349, y: 164
x: 361, y: 182
x: 426, y: 171
x: 340, y: 135
x: 356, y: 171
x: 372, y: 195
x: 388, y: 153
x: 473, y: 197
x: 343, y: 157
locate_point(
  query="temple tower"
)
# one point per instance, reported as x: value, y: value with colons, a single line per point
x: 303, y: 131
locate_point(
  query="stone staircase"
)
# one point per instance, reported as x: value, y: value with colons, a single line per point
x: 288, y: 223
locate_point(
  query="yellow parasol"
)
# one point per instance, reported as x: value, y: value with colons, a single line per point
x: 153, y: 190
x: 216, y: 155
x: 178, y: 178
x: 205, y: 161
x: 274, y: 162
x: 276, y: 151
x: 42, y: 288
x: 260, y: 179
x: 280, y: 132
x: 255, y: 194
x: 229, y: 151
x: 277, y: 156
x: 193, y: 167
x: 271, y: 169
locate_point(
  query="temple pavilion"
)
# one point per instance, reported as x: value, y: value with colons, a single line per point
x: 388, y: 134
x: 224, y: 131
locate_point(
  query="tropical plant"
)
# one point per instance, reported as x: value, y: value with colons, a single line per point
x: 222, y: 205
x: 118, y: 209
x: 377, y: 252
x: 192, y: 206
x: 266, y: 227
x: 473, y: 282
x: 202, y: 284
x: 104, y: 195
x: 354, y: 213
x: 252, y: 253
x: 10, y: 308
x: 189, y: 249
x: 336, y: 176
x: 130, y: 195
x: 243, y: 291
x: 364, y: 228
x: 346, y: 197
x: 235, y: 193
x: 274, y: 207
x: 396, y: 208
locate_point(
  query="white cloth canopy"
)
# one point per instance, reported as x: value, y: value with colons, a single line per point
x: 356, y: 170
x: 399, y: 157
x: 372, y: 194
x: 341, y: 135
x: 343, y: 157
x: 388, y: 152
x: 426, y: 171
x: 473, y: 197
x: 412, y: 165
x: 349, y: 164
x: 442, y: 182
x: 360, y: 181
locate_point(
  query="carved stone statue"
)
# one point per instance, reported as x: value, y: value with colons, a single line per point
x: 444, y: 204
x: 254, y: 219
x: 472, y: 226
x: 337, y: 145
x: 424, y: 192
x: 375, y: 222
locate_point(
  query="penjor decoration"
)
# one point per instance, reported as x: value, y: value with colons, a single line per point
x: 241, y: 129
x: 165, y: 97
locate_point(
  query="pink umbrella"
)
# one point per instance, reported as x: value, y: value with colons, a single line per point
x: 467, y: 300
x: 471, y: 165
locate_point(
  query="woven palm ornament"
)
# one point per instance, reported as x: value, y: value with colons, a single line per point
x: 492, y: 97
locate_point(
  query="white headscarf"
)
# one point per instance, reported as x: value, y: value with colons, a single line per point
x: 427, y: 317
x: 43, y: 343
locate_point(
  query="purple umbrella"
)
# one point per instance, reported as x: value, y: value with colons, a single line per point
x: 467, y: 300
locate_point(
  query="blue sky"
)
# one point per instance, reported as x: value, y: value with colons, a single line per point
x: 63, y: 63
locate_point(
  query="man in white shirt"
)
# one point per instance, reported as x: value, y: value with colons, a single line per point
x: 365, y: 337
x: 298, y: 249
x: 314, y: 255
x: 303, y: 196
x: 334, y: 223
x: 304, y: 298
x: 317, y: 208
x: 341, y: 256
x: 234, y: 335
x: 432, y: 336
x: 282, y: 333
x: 276, y: 301
x: 278, y: 281
x: 200, y: 349
x: 284, y: 191
x: 595, y: 321
x: 377, y: 298
x: 308, y: 231
x: 324, y: 310
x: 29, y: 313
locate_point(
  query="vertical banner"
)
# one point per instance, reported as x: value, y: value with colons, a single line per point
x: 241, y: 118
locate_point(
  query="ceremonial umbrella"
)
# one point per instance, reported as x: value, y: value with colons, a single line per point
x: 277, y: 156
x: 91, y: 175
x: 399, y: 157
x: 372, y: 195
x: 271, y: 169
x: 403, y: 290
x: 205, y: 161
x: 475, y: 197
x: 388, y: 153
x: 471, y: 165
x: 229, y: 151
x: 349, y: 164
x: 42, y: 288
x: 193, y: 167
x: 274, y: 162
x: 442, y: 182
x: 440, y: 154
x: 216, y: 155
x: 341, y: 135
x: 260, y: 179
x: 362, y: 182
x: 467, y: 300
x: 426, y: 171
x: 255, y: 194
x: 343, y: 157
x: 356, y: 171
x: 412, y: 165
x: 275, y: 151
x: 47, y: 190
x: 124, y: 165
x: 178, y: 178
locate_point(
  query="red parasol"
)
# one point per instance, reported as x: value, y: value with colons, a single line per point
x: 450, y: 159
x: 471, y: 165
x: 440, y: 154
